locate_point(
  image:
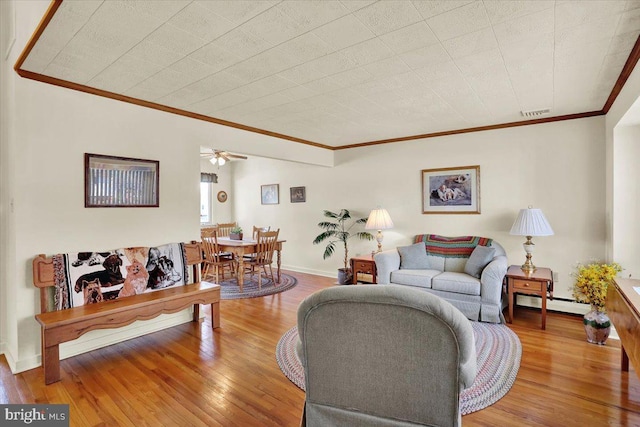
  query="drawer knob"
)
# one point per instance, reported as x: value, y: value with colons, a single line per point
x: 526, y: 284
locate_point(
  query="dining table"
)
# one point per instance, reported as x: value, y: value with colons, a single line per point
x: 245, y: 247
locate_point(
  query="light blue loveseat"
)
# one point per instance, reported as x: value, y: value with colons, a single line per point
x: 442, y: 272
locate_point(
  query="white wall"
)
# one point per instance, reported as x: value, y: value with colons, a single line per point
x: 622, y: 144
x: 626, y: 199
x: 8, y: 322
x: 557, y: 167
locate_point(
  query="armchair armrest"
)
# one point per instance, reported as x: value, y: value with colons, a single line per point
x: 386, y: 262
x: 492, y: 278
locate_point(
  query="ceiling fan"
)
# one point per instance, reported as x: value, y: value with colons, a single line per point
x: 218, y: 157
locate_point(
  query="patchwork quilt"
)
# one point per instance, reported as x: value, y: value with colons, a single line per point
x: 451, y: 247
x: 91, y: 277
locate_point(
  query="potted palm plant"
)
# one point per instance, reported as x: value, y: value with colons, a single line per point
x: 338, y: 232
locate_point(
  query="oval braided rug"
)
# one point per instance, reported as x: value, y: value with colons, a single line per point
x: 229, y: 288
x: 498, y: 350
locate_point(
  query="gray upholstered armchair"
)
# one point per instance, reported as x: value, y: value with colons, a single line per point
x: 383, y: 356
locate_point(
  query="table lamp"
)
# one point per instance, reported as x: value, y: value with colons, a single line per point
x: 530, y: 222
x: 379, y: 219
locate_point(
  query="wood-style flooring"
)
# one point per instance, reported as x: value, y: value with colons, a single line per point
x: 190, y: 376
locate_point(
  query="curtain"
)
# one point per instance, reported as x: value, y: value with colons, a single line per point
x: 208, y: 177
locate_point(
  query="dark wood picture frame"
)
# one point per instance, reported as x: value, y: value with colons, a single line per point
x: 120, y: 182
x: 298, y: 194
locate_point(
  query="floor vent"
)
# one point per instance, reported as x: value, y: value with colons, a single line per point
x: 535, y: 113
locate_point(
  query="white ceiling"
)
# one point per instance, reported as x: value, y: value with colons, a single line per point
x: 344, y: 72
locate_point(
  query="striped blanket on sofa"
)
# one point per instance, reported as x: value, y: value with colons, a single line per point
x: 451, y: 247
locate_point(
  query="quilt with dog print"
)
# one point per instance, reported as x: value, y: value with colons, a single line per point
x: 91, y: 277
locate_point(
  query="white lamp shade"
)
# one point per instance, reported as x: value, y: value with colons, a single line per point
x: 213, y: 160
x: 379, y: 219
x: 531, y: 222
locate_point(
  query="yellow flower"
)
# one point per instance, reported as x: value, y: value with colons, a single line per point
x: 592, y: 281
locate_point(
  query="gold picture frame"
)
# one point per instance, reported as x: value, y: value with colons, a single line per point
x: 454, y: 190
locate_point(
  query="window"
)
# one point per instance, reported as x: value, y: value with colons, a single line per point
x: 205, y: 203
x: 206, y: 187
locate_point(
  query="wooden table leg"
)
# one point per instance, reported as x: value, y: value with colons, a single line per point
x: 240, y: 275
x: 624, y: 360
x: 511, y: 300
x: 278, y: 258
x: 544, y: 309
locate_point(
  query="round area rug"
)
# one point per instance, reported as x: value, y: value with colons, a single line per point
x: 498, y: 350
x: 229, y: 288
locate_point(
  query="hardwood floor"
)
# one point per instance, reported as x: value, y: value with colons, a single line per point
x: 190, y: 376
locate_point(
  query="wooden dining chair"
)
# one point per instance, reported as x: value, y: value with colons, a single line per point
x: 256, y: 229
x: 263, y: 257
x: 214, y: 258
x: 254, y: 236
x: 224, y: 229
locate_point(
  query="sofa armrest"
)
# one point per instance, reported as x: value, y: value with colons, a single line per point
x: 492, y: 278
x: 386, y: 262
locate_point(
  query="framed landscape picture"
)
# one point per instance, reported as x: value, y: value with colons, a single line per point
x: 451, y: 190
x: 298, y: 194
x: 269, y: 194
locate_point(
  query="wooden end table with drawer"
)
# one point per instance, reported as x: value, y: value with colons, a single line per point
x: 364, y: 269
x: 539, y: 282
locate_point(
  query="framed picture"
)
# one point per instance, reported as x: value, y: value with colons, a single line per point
x: 269, y: 194
x: 451, y: 190
x: 120, y: 182
x: 298, y: 194
x: 222, y: 196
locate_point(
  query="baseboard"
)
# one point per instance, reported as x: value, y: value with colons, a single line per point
x: 310, y: 271
x: 94, y: 340
x: 11, y: 361
x: 563, y: 306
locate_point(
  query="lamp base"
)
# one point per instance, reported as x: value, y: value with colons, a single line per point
x: 379, y: 238
x: 528, y: 266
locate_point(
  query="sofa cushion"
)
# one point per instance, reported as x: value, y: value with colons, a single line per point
x: 480, y: 257
x: 420, y: 278
x: 413, y: 257
x: 460, y: 283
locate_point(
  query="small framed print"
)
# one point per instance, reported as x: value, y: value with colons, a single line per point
x: 270, y: 194
x: 298, y: 194
x: 451, y: 190
x: 222, y: 196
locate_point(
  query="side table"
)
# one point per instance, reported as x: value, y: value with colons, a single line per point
x: 539, y: 282
x: 364, y: 269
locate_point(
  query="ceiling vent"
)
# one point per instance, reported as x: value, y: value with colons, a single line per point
x: 535, y: 113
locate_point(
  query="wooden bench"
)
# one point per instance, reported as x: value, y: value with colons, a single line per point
x: 67, y: 325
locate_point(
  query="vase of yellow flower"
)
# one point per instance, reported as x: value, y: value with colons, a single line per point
x: 590, y: 287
